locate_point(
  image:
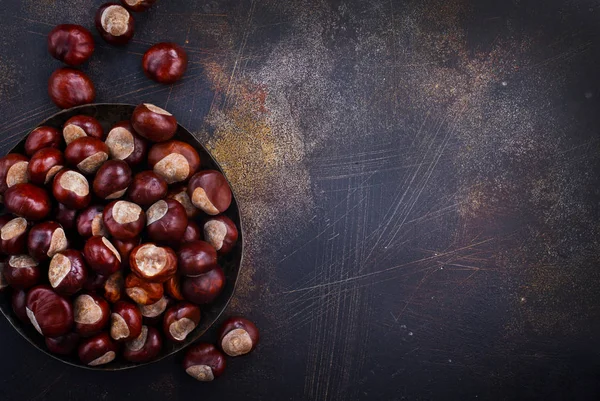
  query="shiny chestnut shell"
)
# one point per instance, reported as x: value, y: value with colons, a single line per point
x: 210, y: 192
x: 89, y: 222
x: 91, y: 314
x: 41, y: 138
x: 97, y: 350
x: 192, y: 232
x: 153, y: 123
x: 221, y: 233
x: 180, y: 320
x: 69, y: 88
x: 67, y: 272
x: 141, y: 291
x: 46, y: 239
x: 81, y: 126
x: 175, y: 161
x: 153, y: 263
x: 71, y: 44
x: 238, y: 336
x: 28, y: 201
x: 154, y: 312
x: 21, y: 271
x: 13, y: 170
x: 13, y: 234
x: 124, y: 144
x: 115, y: 24
x: 51, y: 314
x: 101, y: 255
x: 166, y: 221
x: 125, y: 247
x: 112, y: 179
x: 125, y: 321
x: 114, y: 287
x: 205, y: 288
x: 196, y: 258
x: 145, y: 347
x: 179, y: 193
x: 44, y: 165
x: 87, y: 154
x: 204, y: 362
x: 165, y: 63
x: 124, y: 220
x: 147, y: 188
x: 65, y: 217
x: 63, y: 345
x: 72, y: 189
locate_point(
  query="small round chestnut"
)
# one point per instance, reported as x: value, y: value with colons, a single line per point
x: 69, y: 88
x: 179, y: 193
x: 124, y: 144
x: 180, y: 320
x: 204, y: 362
x: 153, y: 123
x: 165, y: 63
x: 221, y: 233
x: 210, y: 192
x: 112, y: 179
x: 147, y: 188
x: 101, y: 255
x: 143, y: 292
x: 192, y: 232
x: 45, y: 240
x: 97, y: 350
x: 114, y: 287
x: 44, y: 165
x: 13, y: 234
x: 81, y: 126
x: 28, y: 201
x: 238, y: 336
x: 153, y: 313
x: 144, y: 347
x: 125, y: 247
x: 90, y: 222
x: 41, y: 138
x: 71, y: 44
x: 63, y: 345
x: 91, y: 314
x: 22, y: 271
x: 124, y: 220
x: 166, y: 221
x: 137, y: 5
x: 125, y: 321
x: 115, y: 24
x: 175, y: 161
x: 65, y: 217
x: 67, y: 272
x: 51, y: 314
x: 153, y: 263
x: 71, y: 189
x: 87, y: 154
x: 203, y: 289
x: 13, y: 170
x: 173, y: 288
x: 18, y: 301
x: 196, y: 258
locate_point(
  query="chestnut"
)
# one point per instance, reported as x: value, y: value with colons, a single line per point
x: 81, y: 126
x: 71, y: 44
x: 101, y: 255
x: 65, y: 217
x: 67, y: 272
x: 210, y: 192
x: 166, y: 221
x: 45, y: 240
x: 179, y: 193
x: 146, y: 188
x: 238, y: 336
x: 115, y: 24
x: 63, y: 345
x: 153, y: 263
x: 97, y: 350
x: 203, y: 289
x: 180, y: 320
x: 175, y: 161
x: 141, y: 291
x: 13, y: 234
x: 114, y: 287
x: 28, y: 201
x: 153, y: 123
x: 165, y: 63
x: 196, y: 258
x: 22, y: 271
x: 124, y: 144
x: 112, y: 179
x: 137, y: 5
x: 124, y: 220
x: 125, y: 247
x: 144, y: 347
x: 221, y: 233
x: 13, y: 170
x: 91, y: 314
x: 125, y: 321
x: 69, y: 88
x: 51, y: 314
x: 192, y: 232
x: 71, y: 189
x: 153, y: 313
x: 18, y: 301
x: 173, y: 288
x: 95, y: 282
x: 89, y: 222
x: 87, y: 154
x: 44, y: 165
x: 41, y: 138
x: 204, y: 362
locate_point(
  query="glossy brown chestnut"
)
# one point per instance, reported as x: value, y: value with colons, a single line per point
x: 71, y: 189
x: 137, y: 5
x: 173, y: 288
x: 153, y: 123
x: 44, y: 165
x: 28, y: 201
x: 51, y: 314
x: 153, y: 313
x: 71, y: 44
x: 18, y: 301
x: 196, y: 258
x: 22, y: 271
x: 45, y: 240
x: 204, y: 362
x: 166, y: 221
x: 124, y: 144
x: 87, y: 154
x: 115, y: 24
x: 89, y: 222
x: 13, y: 234
x: 147, y: 188
x: 210, y: 192
x: 144, y: 347
x: 153, y: 263
x: 192, y: 232
x: 180, y: 320
x: 124, y: 220
x: 69, y: 88
x: 141, y: 291
x: 125, y: 247
x: 95, y: 282
x: 67, y: 272
x: 179, y: 193
x: 101, y: 255
x: 221, y: 233
x: 175, y: 161
x: 41, y: 138
x: 112, y: 179
x: 203, y: 289
x: 66, y: 217
x: 63, y: 345
x: 125, y: 321
x: 238, y: 336
x: 81, y: 126
x: 165, y: 63
x: 13, y: 170
x: 97, y: 350
x: 91, y: 314
x: 114, y: 287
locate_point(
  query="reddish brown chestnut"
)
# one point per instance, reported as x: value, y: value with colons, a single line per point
x: 238, y: 336
x: 95, y: 282
x: 67, y: 272
x: 18, y: 301
x: 69, y: 88
x: 141, y: 291
x: 28, y: 201
x: 165, y: 63
x: 71, y: 44
x: 63, y: 345
x: 125, y: 247
x: 204, y: 362
x: 210, y: 192
x: 44, y: 165
x: 87, y: 154
x: 166, y: 221
x: 144, y: 347
x: 153, y: 123
x: 175, y: 161
x: 153, y: 313
x: 125, y: 321
x: 203, y: 289
x: 114, y: 24
x: 81, y: 126
x: 13, y: 234
x: 196, y: 258
x: 101, y: 255
x: 41, y: 138
x: 173, y: 288
x: 221, y: 233
x: 114, y: 287
x: 153, y: 263
x: 147, y: 187
x: 97, y: 350
x: 91, y: 314
x: 13, y: 170
x: 112, y: 179
x: 65, y: 217
x: 180, y: 320
x: 22, y: 271
x: 45, y: 240
x: 124, y: 144
x: 192, y: 232
x: 71, y: 189
x: 179, y: 193
x: 89, y: 222
x: 137, y: 5
x: 124, y: 220
x: 50, y: 313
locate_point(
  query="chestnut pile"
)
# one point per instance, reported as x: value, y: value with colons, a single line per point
x: 111, y: 241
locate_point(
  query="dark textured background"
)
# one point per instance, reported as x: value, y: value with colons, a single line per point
x: 419, y: 181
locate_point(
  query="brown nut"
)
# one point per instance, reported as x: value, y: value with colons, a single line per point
x: 22, y: 271
x: 173, y: 288
x: 18, y: 301
x: 175, y: 161
x: 44, y: 165
x: 71, y: 44
x: 238, y: 336
x: 69, y: 88
x: 67, y: 272
x: 71, y: 189
x: 141, y: 291
x: 125, y: 321
x: 87, y: 154
x: 65, y: 217
x: 192, y: 232
x: 153, y: 313
x: 165, y: 63
x: 153, y: 263
x: 51, y: 314
x: 196, y: 258
x: 221, y: 233
x: 13, y: 234
x: 125, y: 247
x: 115, y: 24
x: 28, y: 201
x: 112, y: 179
x: 210, y: 192
x: 124, y: 144
x: 101, y: 255
x: 124, y: 220
x: 81, y: 126
x: 114, y: 287
x: 45, y: 240
x: 179, y: 193
x: 91, y: 314
x: 147, y: 188
x: 63, y: 345
x: 153, y: 123
x: 180, y: 320
x: 89, y: 222
x: 166, y: 221
x: 204, y: 362
x: 205, y: 288
x: 41, y: 138
x: 97, y: 350
x: 95, y: 282
x: 13, y: 170
x: 144, y: 347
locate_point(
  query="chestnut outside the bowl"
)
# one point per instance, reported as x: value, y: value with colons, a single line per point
x: 108, y: 115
